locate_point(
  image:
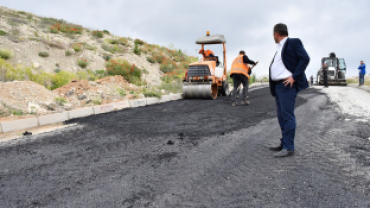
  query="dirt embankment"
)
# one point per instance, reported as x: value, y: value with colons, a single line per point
x: 26, y: 98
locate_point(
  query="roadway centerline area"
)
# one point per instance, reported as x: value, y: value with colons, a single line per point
x: 192, y: 153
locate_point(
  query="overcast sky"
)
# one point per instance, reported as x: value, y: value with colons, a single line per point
x: 324, y: 26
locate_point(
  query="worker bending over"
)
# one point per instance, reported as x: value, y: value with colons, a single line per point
x: 208, y: 54
x: 240, y: 72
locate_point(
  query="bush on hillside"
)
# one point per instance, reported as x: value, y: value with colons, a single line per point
x: 139, y: 42
x: 97, y: 33
x: 43, y: 54
x: 174, y: 87
x: 2, y: 33
x: 150, y: 59
x: 62, y: 78
x: 88, y: 46
x: 77, y: 47
x: 106, y: 32
x: 151, y: 93
x: 137, y: 50
x: 121, y: 67
x: 67, y: 28
x: 122, y: 41
x: 5, y: 53
x: 82, y: 62
x: 82, y: 75
x: 68, y: 53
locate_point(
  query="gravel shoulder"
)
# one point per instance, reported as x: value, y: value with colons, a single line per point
x: 193, y: 153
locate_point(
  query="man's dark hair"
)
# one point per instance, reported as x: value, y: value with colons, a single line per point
x: 281, y: 29
x: 241, y: 52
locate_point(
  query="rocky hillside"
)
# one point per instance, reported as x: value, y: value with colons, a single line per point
x: 50, y: 45
x: 77, y: 64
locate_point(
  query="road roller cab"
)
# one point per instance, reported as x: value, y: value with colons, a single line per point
x: 207, y: 78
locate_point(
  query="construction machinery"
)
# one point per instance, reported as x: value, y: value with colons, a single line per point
x: 336, y: 70
x: 207, y: 78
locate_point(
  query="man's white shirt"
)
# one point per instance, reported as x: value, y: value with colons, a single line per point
x: 278, y: 69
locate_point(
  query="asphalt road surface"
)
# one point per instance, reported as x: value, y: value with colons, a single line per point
x: 193, y: 153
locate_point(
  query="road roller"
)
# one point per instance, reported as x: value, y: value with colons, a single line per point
x: 207, y: 78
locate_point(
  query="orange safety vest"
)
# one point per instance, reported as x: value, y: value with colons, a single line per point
x: 239, y: 67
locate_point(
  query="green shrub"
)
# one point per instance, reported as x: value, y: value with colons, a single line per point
x: 159, y: 58
x: 121, y: 92
x: 101, y: 73
x: 108, y: 48
x: 168, y: 66
x: 139, y: 42
x: 122, y: 41
x: 112, y: 48
x: 151, y: 93
x: 82, y: 62
x: 77, y: 47
x: 82, y: 75
x: 106, y: 57
x: 150, y: 59
x: 96, y: 101
x: 89, y: 47
x: 62, y: 78
x: 121, y: 67
x: 106, y: 32
x: 174, y: 87
x: 60, y: 100
x: 137, y: 50
x: 43, y: 54
x: 54, y: 30
x: 18, y: 112
x: 68, y: 53
x: 57, y: 70
x: 2, y: 33
x: 145, y: 71
x: 97, y: 33
x: 5, y: 53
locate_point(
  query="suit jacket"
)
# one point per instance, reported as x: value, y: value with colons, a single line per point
x: 295, y: 59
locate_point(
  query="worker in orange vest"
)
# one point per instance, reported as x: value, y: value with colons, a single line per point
x: 208, y: 53
x: 240, y: 72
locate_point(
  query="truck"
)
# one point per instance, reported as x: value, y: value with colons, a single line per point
x: 336, y: 70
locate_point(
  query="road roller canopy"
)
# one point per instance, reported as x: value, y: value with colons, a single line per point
x: 212, y: 39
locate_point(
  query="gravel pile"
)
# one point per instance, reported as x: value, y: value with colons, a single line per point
x: 19, y: 95
x: 353, y: 101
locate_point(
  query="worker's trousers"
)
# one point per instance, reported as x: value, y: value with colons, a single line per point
x: 362, y: 78
x: 326, y: 80
x: 240, y: 79
x: 285, y: 97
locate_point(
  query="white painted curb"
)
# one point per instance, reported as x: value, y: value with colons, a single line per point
x: 165, y: 98
x: 176, y: 96
x: 8, y: 126
x: 121, y: 105
x: 104, y: 108
x: 152, y: 101
x: 22, y: 124
x: 137, y: 103
x: 53, y: 118
x: 82, y: 112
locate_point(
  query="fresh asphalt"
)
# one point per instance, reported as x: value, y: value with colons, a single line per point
x: 193, y: 153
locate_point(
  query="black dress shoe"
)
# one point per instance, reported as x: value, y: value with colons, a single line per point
x: 276, y: 148
x: 284, y: 153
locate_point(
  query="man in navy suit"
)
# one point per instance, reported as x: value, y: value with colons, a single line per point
x: 287, y: 78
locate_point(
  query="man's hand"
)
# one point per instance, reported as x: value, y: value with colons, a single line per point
x: 290, y: 81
